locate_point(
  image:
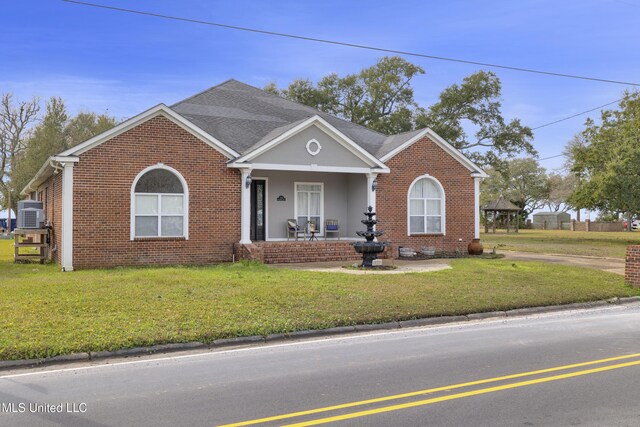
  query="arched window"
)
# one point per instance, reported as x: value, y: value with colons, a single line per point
x: 159, y: 203
x: 426, y: 206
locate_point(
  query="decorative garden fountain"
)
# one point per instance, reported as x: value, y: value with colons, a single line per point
x: 369, y: 249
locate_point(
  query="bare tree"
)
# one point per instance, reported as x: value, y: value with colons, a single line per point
x: 15, y: 119
x: 560, y: 188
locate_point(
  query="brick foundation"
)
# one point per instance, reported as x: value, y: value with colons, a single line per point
x: 632, y: 266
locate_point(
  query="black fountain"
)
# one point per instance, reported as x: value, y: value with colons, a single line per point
x: 369, y: 249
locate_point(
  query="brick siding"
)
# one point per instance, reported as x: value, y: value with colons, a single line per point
x: 632, y: 266
x: 426, y: 157
x: 101, y: 200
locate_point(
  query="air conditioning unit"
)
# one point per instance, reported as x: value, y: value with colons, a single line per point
x: 30, y: 214
x: 29, y: 204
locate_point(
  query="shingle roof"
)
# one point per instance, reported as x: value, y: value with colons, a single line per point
x: 244, y: 117
x: 394, y: 141
x: 501, y: 204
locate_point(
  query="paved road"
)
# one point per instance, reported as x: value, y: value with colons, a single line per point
x: 417, y: 377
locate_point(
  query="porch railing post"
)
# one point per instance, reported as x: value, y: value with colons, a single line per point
x: 245, y: 208
x: 371, y: 192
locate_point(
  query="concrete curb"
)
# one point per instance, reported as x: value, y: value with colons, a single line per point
x: 313, y: 333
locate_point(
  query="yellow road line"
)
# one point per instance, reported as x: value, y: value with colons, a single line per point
x: 460, y: 395
x: 431, y: 390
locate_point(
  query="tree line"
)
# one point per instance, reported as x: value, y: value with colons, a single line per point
x: 29, y: 136
x: 603, y: 160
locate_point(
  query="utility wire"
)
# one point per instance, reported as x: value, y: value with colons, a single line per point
x: 571, y: 117
x: 552, y: 157
x: 354, y: 45
x: 576, y: 115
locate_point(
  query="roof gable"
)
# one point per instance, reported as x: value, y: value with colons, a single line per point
x: 398, y: 143
x: 311, y: 146
x: 318, y: 123
x: 159, y: 109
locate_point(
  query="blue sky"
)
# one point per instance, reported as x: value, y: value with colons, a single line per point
x: 100, y: 60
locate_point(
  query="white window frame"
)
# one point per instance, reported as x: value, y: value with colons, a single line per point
x: 443, y: 208
x: 295, y: 203
x: 185, y: 205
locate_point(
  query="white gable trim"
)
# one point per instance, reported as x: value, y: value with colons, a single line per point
x: 158, y: 110
x: 326, y: 127
x: 450, y: 149
x: 305, y: 168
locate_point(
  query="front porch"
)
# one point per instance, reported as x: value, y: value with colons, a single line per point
x: 299, y: 251
x: 334, y: 202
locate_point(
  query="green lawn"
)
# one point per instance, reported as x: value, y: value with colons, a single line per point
x: 46, y: 312
x: 612, y: 245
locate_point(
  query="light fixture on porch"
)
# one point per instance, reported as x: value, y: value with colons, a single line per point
x: 248, y: 180
x: 374, y: 184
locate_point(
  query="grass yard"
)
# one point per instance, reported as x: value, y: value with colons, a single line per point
x: 46, y: 312
x: 611, y: 245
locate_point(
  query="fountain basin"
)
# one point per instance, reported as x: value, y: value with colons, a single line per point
x: 369, y: 251
x: 369, y: 247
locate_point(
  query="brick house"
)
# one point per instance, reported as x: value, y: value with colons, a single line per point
x: 229, y: 172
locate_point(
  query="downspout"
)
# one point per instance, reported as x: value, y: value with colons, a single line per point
x: 55, y: 167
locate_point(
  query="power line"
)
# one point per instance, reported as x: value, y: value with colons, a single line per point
x: 576, y: 115
x: 571, y: 117
x: 551, y: 157
x: 354, y: 45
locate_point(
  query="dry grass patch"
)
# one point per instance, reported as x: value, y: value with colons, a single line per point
x: 600, y: 244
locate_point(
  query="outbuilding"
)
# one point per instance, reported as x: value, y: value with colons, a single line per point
x: 550, y: 220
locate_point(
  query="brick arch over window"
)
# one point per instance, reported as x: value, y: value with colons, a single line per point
x: 159, y: 204
x: 426, y: 207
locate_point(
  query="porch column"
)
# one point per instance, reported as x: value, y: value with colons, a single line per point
x: 66, y: 255
x: 476, y: 188
x: 371, y: 194
x: 245, y: 207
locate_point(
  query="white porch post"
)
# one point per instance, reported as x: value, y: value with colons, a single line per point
x: 371, y: 194
x: 476, y: 206
x: 66, y: 258
x: 245, y: 208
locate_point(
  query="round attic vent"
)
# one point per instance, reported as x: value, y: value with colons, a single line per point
x: 313, y: 147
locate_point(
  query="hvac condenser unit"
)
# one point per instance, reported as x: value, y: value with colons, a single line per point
x: 30, y: 214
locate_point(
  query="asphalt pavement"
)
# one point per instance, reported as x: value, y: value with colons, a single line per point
x: 572, y: 368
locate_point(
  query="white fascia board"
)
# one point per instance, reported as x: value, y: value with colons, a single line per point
x: 159, y: 109
x: 450, y: 149
x: 481, y: 174
x: 46, y: 171
x: 306, y: 168
x: 65, y: 159
x: 43, y: 173
x: 326, y: 127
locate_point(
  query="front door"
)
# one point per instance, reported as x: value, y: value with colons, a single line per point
x: 258, y: 209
